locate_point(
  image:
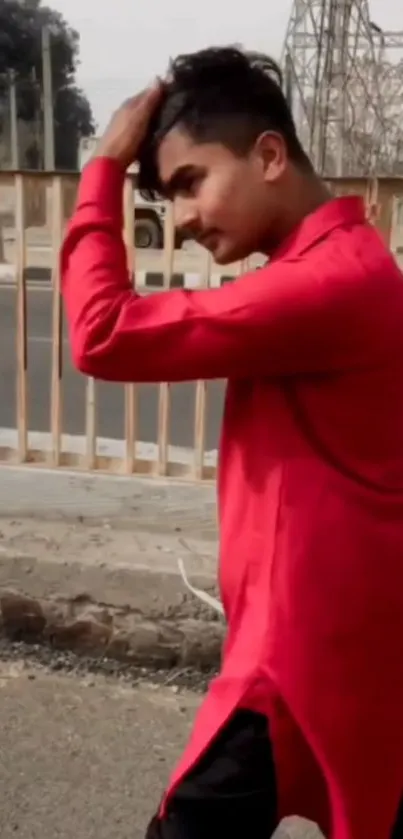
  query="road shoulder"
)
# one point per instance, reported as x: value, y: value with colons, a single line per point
x: 91, y: 564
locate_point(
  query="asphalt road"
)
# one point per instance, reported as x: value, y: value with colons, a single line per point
x: 87, y: 757
x: 84, y: 757
x: 110, y: 397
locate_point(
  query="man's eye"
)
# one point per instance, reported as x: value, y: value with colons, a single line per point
x: 190, y: 185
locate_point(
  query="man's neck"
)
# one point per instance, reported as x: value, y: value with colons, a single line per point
x: 304, y: 195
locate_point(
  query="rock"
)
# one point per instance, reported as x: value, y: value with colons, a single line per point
x: 95, y: 630
x: 146, y: 645
x: 119, y: 647
x: 22, y: 617
x: 87, y: 636
x: 98, y: 614
x: 201, y: 648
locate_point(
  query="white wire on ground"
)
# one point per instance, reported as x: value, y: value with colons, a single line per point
x: 199, y: 593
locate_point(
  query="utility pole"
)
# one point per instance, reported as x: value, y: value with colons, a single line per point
x: 14, y: 138
x: 49, y: 130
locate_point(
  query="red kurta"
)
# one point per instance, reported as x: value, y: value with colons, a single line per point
x: 310, y: 485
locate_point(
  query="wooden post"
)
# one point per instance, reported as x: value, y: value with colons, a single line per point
x: 164, y: 392
x: 21, y: 348
x: 201, y: 397
x: 57, y: 322
x: 130, y: 390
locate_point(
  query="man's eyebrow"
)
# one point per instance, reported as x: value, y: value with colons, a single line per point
x: 170, y: 186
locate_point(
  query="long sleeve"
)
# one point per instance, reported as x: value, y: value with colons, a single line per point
x: 299, y: 314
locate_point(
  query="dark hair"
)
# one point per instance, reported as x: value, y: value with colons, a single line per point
x: 219, y: 94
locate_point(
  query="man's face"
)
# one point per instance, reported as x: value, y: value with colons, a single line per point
x: 225, y: 202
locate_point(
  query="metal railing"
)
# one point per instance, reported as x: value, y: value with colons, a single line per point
x: 34, y: 208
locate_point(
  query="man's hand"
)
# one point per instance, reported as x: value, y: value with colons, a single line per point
x: 128, y: 126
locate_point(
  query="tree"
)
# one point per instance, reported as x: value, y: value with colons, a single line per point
x: 21, y: 26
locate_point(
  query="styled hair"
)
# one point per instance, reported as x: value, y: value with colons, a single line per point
x: 220, y: 94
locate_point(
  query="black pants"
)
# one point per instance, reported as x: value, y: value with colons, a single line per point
x: 232, y: 790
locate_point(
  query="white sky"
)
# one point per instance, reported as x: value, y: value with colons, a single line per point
x: 125, y: 43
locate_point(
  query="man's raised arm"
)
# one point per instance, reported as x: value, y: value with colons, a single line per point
x: 303, y: 315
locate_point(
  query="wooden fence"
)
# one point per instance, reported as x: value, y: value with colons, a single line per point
x: 33, y: 212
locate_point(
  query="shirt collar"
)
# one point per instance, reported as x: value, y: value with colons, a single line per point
x: 338, y: 212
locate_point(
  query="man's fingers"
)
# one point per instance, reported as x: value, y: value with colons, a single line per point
x: 147, y: 99
x: 156, y: 88
x: 151, y: 96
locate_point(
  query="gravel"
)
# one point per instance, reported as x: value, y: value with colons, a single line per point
x: 68, y: 662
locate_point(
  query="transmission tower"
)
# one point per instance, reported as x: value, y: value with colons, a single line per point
x: 345, y: 87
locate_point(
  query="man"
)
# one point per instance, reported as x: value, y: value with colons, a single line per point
x: 306, y: 716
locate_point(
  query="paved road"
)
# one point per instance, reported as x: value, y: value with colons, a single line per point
x: 84, y: 757
x: 110, y: 397
x: 87, y: 757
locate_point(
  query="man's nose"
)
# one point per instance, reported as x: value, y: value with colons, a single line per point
x: 186, y: 216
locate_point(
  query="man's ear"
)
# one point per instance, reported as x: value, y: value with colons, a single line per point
x: 272, y: 151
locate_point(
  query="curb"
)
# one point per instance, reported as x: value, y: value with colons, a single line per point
x: 89, y: 563
x: 128, y: 613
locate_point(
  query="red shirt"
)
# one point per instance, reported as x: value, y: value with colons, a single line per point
x: 310, y: 484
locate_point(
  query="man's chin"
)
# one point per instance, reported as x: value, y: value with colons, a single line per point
x: 226, y: 255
